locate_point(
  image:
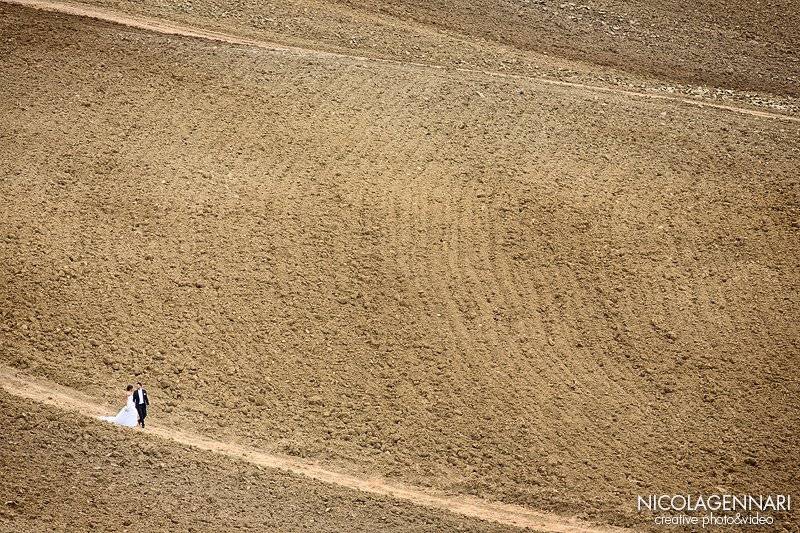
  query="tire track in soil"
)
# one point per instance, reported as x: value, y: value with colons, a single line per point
x: 19, y: 384
x: 482, y: 212
x: 172, y: 28
x: 463, y: 262
x: 563, y: 367
x: 430, y: 217
x: 474, y: 260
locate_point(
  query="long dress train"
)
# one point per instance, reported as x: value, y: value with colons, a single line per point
x: 127, y: 416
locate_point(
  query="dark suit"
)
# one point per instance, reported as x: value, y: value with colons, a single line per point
x: 141, y: 406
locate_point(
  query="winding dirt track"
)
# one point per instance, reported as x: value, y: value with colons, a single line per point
x: 25, y: 386
x: 171, y: 28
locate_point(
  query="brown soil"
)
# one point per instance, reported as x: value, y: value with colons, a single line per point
x: 63, y: 472
x: 525, y: 292
x: 159, y: 25
x: 738, y: 57
x: 751, y: 46
x: 64, y: 398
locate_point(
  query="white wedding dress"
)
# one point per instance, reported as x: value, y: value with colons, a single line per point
x: 127, y: 416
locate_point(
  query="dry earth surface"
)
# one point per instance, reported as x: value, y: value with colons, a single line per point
x: 529, y: 293
x: 25, y: 386
x: 63, y: 472
x: 713, y: 49
x: 722, y: 43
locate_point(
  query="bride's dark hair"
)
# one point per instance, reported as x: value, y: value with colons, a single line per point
x: 129, y: 388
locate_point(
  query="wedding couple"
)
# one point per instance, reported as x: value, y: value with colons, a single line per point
x: 135, y: 409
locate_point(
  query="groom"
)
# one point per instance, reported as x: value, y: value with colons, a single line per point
x: 141, y: 402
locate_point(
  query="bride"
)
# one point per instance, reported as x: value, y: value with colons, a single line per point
x: 127, y: 416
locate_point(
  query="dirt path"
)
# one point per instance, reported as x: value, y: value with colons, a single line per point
x: 171, y: 28
x: 49, y: 393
